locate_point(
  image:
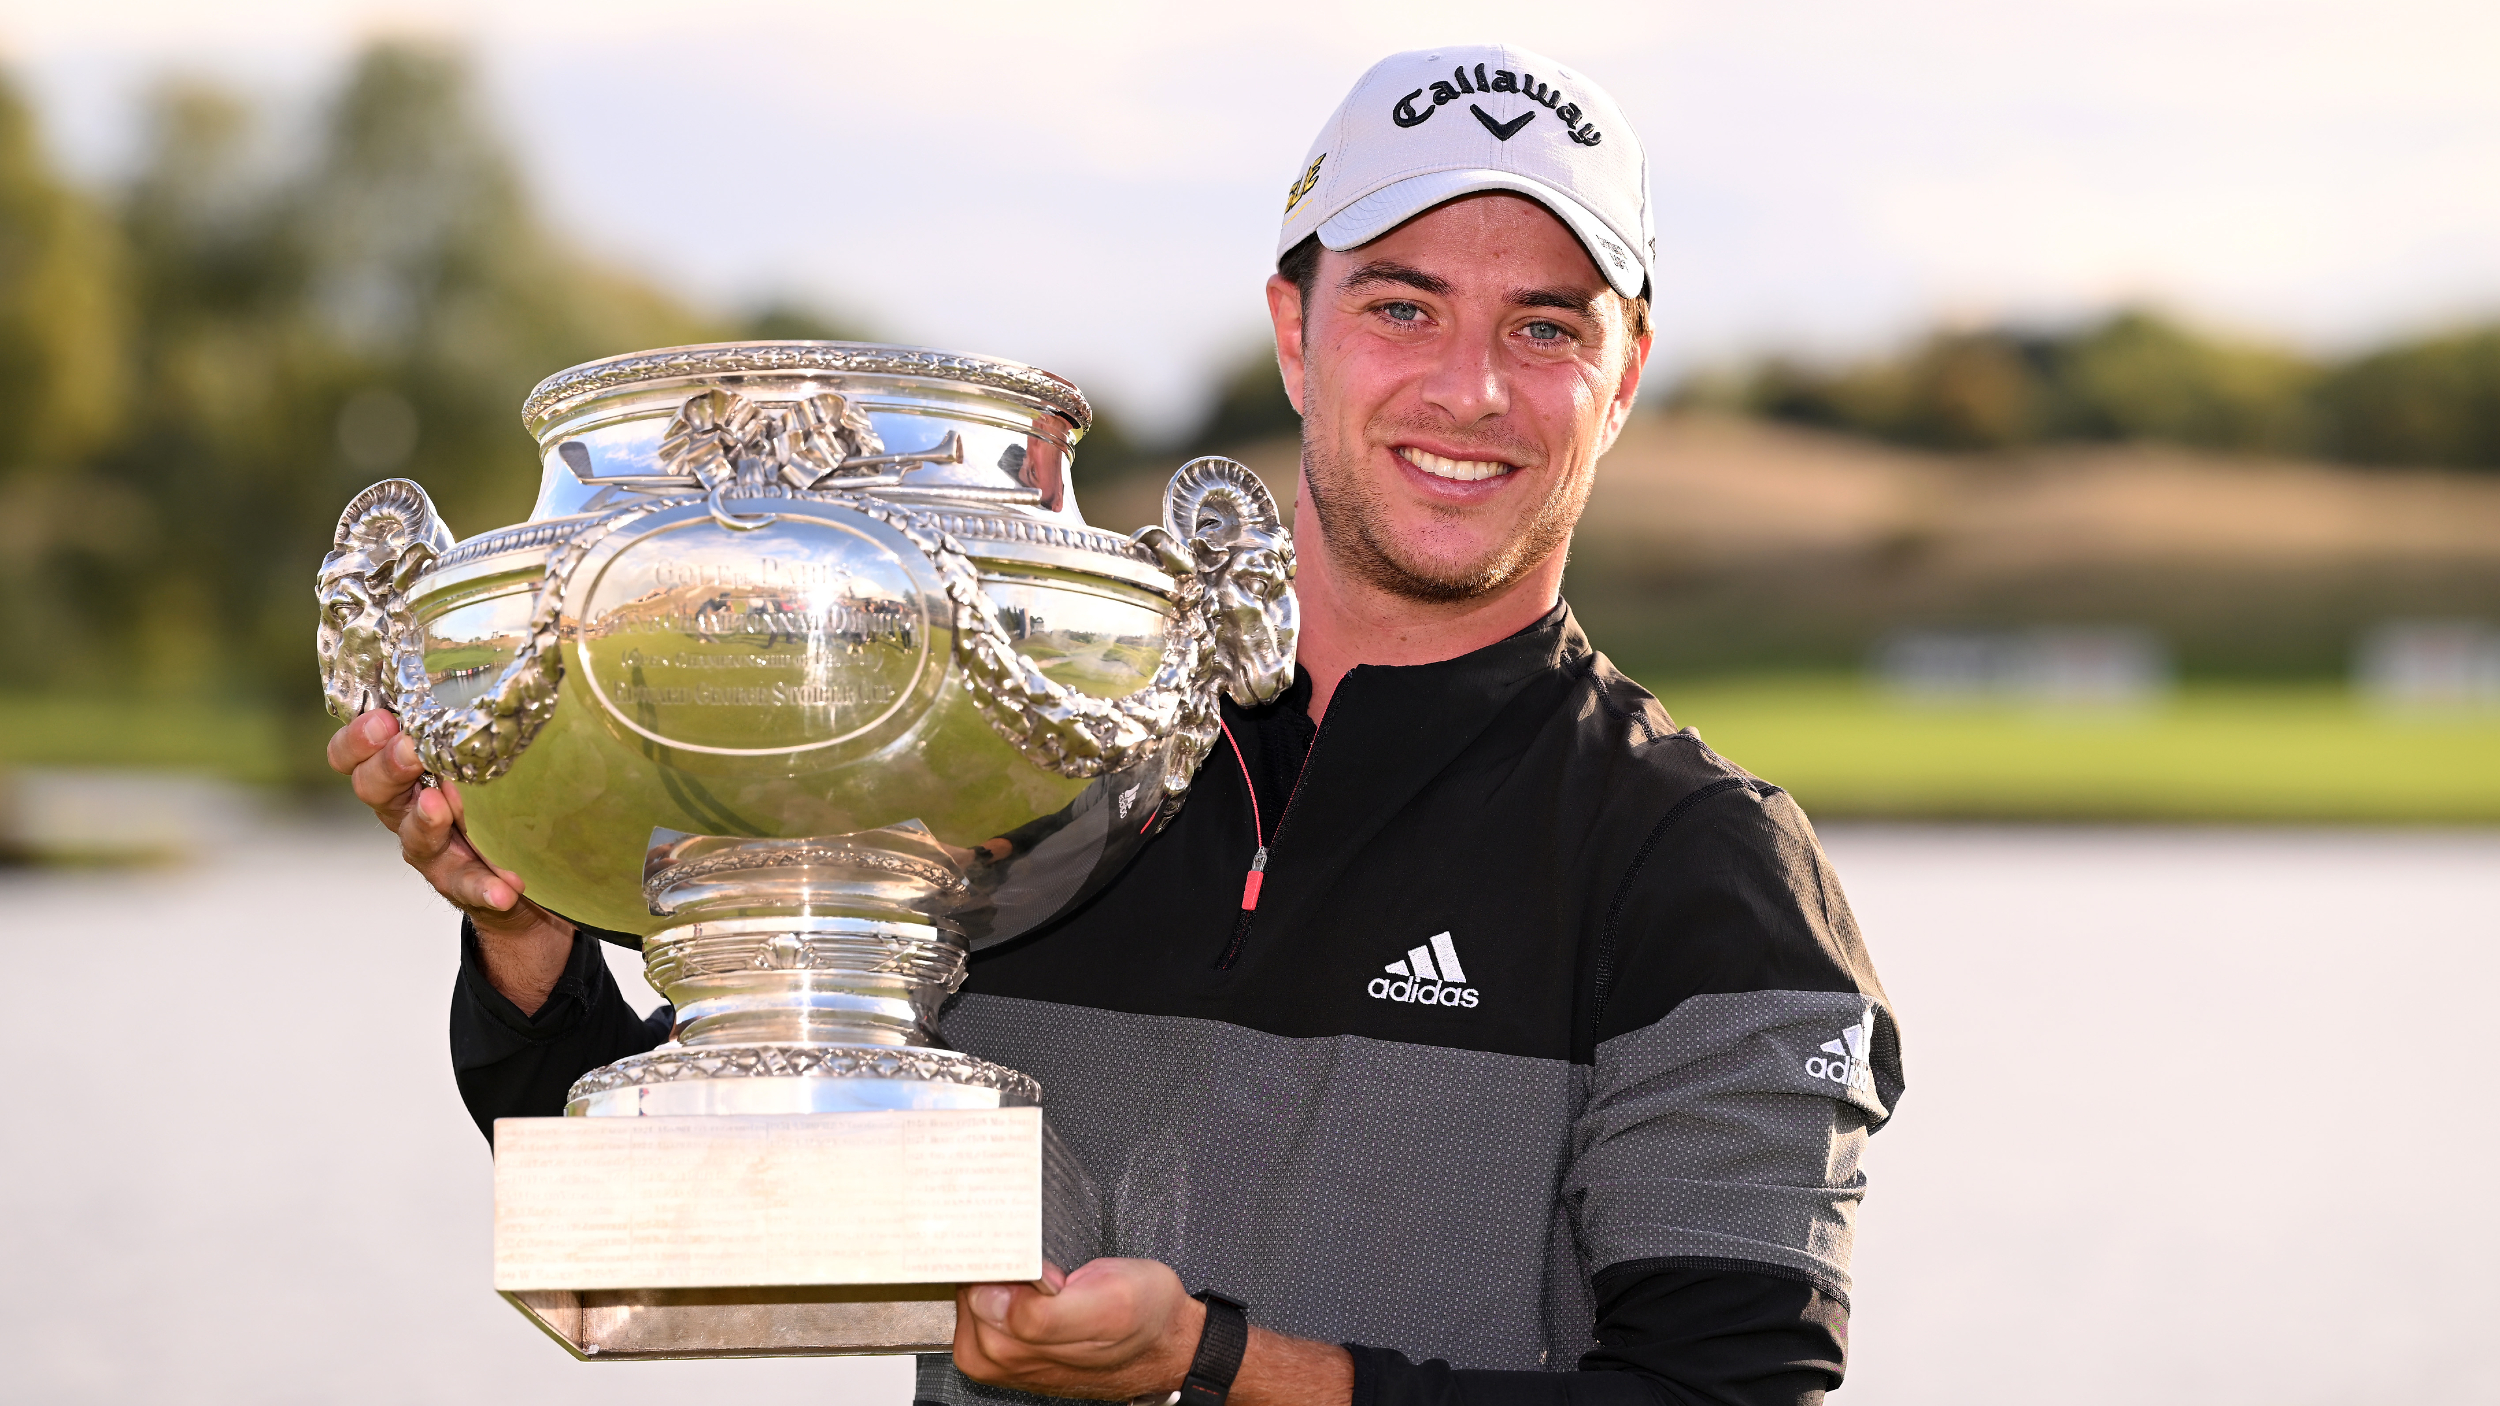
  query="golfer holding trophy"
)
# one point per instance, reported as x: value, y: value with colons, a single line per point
x: 1055, y: 921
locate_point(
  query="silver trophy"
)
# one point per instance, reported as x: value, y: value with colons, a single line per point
x: 806, y: 671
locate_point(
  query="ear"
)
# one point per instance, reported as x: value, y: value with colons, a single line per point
x: 1635, y: 360
x: 1284, y: 310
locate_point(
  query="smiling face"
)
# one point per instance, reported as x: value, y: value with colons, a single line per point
x: 1458, y: 379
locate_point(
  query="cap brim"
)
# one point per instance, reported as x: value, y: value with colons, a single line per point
x: 1394, y: 204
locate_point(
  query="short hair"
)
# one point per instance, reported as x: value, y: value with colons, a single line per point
x: 1300, y: 267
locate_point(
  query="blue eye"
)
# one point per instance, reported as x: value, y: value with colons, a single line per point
x: 1547, y: 331
x: 1402, y: 312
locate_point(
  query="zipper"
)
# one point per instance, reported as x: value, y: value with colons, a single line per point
x: 1252, y: 881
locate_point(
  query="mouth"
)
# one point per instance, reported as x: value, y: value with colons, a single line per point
x: 1455, y: 470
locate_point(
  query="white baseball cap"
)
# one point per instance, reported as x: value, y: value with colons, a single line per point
x: 1431, y: 125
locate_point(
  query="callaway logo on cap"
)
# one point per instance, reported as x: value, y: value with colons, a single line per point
x: 1432, y: 125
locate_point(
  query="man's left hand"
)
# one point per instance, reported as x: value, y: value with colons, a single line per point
x: 1113, y: 1330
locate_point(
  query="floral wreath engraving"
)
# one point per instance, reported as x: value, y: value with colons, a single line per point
x: 1232, y: 632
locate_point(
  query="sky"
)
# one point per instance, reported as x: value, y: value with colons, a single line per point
x: 1094, y: 187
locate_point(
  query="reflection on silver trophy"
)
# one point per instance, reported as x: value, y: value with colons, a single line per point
x: 806, y: 671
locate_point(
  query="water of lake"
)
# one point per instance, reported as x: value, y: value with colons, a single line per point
x: 2194, y: 1117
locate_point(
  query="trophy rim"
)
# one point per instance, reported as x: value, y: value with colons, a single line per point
x: 563, y: 392
x: 736, y: 1063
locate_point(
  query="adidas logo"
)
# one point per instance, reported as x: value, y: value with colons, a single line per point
x: 1427, y: 976
x: 1849, y: 1069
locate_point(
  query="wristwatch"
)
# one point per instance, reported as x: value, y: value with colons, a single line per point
x: 1220, y: 1346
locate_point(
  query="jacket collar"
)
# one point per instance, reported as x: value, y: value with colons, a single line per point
x: 1389, y: 730
x: 1478, y: 683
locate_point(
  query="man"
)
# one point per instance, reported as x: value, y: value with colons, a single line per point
x: 1536, y: 1064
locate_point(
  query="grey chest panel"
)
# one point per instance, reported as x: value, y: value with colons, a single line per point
x: 1348, y: 1189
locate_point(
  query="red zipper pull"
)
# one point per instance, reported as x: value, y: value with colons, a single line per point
x: 1250, y: 882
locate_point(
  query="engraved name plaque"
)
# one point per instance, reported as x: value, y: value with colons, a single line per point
x: 801, y: 634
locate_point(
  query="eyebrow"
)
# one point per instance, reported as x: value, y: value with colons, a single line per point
x: 1384, y: 271
x: 1563, y: 299
x: 1403, y: 275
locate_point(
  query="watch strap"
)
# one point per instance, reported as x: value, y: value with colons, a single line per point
x: 1220, y: 1348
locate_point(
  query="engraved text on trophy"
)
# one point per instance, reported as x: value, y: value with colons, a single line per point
x: 797, y: 635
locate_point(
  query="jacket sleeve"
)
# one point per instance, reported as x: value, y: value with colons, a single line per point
x: 1669, y: 1335
x: 1743, y: 1053
x: 511, y: 1065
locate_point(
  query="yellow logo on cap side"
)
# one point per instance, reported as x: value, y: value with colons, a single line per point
x: 1304, y: 186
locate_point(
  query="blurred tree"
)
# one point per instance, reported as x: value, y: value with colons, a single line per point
x: 425, y: 264
x: 1110, y: 452
x: 1955, y: 390
x: 1250, y: 404
x: 61, y: 317
x: 1962, y: 390
x: 2431, y: 402
x: 2140, y: 376
x: 64, y: 535
x: 2135, y: 375
x: 213, y: 440
x: 793, y: 322
x: 382, y: 310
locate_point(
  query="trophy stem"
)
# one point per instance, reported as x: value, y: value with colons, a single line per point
x: 806, y: 976
x: 805, y: 980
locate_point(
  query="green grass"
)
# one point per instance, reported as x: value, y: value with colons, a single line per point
x: 240, y: 743
x: 2212, y: 752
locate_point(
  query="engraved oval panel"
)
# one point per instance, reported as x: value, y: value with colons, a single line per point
x: 801, y: 634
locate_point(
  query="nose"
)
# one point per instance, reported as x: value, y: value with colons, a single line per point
x: 1468, y: 382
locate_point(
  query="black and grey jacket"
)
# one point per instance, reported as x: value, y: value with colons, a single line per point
x: 1540, y: 1070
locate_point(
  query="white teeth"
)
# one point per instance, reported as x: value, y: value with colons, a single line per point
x: 1463, y: 470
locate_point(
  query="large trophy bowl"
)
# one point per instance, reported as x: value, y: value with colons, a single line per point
x: 807, y: 674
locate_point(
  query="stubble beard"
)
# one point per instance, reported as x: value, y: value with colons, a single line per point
x: 1355, y: 532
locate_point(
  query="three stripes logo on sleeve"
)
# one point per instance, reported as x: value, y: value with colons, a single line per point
x: 1426, y: 976
x: 1849, y: 1065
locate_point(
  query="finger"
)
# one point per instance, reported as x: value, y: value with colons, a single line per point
x: 426, y: 837
x: 504, y: 894
x: 434, y: 847
x: 384, y: 779
x: 361, y: 738
x: 975, y: 1341
x: 1017, y: 1321
x: 1075, y: 1319
x: 1052, y: 1278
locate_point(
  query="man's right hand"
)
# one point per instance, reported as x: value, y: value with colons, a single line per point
x: 524, y: 945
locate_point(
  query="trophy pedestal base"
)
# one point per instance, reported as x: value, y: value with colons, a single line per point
x: 734, y: 1235
x: 639, y: 1325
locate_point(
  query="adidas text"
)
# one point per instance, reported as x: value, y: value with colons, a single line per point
x: 1428, y: 975
x: 1422, y: 993
x: 1848, y: 1067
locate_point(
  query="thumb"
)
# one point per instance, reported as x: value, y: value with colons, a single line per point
x: 990, y: 1303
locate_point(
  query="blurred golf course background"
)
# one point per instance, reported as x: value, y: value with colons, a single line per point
x: 2122, y: 569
